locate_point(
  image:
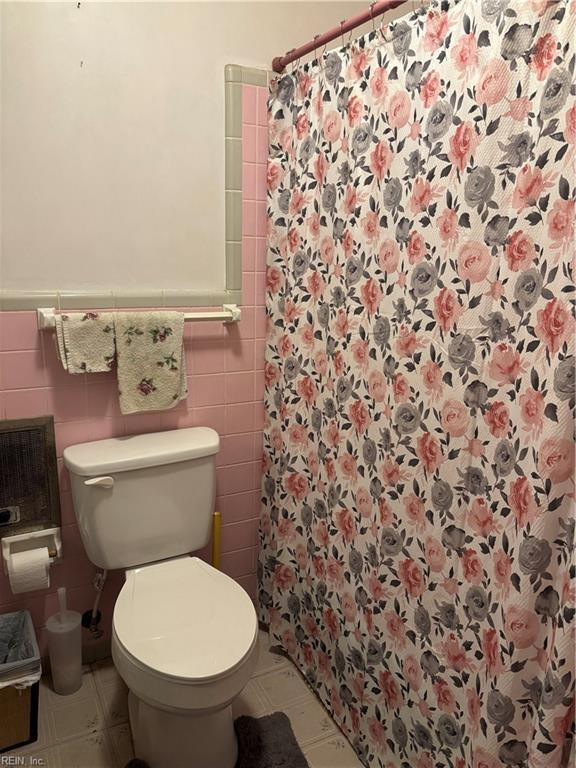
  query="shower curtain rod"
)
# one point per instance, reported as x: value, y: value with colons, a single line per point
x: 375, y: 9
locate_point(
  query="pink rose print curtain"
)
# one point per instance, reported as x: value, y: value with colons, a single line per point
x: 417, y: 533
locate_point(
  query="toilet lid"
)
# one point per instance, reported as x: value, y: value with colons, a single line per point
x: 185, y: 619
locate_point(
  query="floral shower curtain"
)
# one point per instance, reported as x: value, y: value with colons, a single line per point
x: 417, y: 533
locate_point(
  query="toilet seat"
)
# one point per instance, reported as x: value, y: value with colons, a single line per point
x: 184, y: 621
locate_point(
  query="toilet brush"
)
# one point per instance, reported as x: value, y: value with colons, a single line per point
x: 65, y: 647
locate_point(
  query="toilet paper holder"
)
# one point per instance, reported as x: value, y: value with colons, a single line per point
x: 47, y: 537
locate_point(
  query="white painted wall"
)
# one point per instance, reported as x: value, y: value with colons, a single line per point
x: 112, y: 161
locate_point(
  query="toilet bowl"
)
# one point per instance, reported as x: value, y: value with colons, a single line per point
x: 185, y: 642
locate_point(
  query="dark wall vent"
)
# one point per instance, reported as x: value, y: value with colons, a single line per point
x: 29, y: 498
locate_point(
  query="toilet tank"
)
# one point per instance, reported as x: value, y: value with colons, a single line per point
x: 144, y: 498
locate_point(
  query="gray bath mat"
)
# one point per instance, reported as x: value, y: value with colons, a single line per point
x: 263, y: 742
x: 268, y: 742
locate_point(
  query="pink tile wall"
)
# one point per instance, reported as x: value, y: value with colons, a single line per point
x: 254, y: 160
x: 226, y: 382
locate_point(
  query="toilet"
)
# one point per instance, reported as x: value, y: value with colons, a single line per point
x: 184, y: 635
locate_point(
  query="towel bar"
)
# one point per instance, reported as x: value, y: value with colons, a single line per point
x: 231, y: 313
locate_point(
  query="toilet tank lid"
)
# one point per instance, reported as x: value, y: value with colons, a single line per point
x: 121, y: 454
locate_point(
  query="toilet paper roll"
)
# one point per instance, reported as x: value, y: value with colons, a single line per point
x: 29, y: 570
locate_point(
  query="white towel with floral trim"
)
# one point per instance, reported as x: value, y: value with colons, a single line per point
x: 150, y: 359
x: 86, y: 341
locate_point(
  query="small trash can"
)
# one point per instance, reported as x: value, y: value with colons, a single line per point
x: 20, y: 671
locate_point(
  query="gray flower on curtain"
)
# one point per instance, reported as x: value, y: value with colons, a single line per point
x: 442, y: 495
x: 476, y: 394
x: 361, y: 139
x: 414, y: 76
x: 414, y: 164
x: 403, y: 230
x: 401, y: 38
x: 343, y: 389
x: 516, y: 42
x: 449, y: 731
x: 369, y: 452
x: 477, y: 603
x: 407, y: 419
x: 518, y: 149
x: 479, y: 186
x: 390, y: 543
x: 534, y: 555
x: 353, y: 271
x: 474, y: 480
x: 497, y: 327
x: 423, y: 280
x: 307, y: 149
x: 431, y: 666
x: 513, y: 752
x: 527, y: 289
x: 300, y: 263
x: 500, y: 709
x: 439, y: 120
x: 323, y: 315
x: 496, y: 231
x: 329, y: 197
x: 382, y: 331
x: 555, y: 93
x: 491, y: 9
x: 392, y: 194
x: 284, y: 200
x: 422, y: 620
x: 447, y: 615
x: 291, y: 368
x: 504, y: 458
x: 547, y: 603
x: 423, y: 736
x: 285, y: 89
x: 332, y: 67
x: 453, y: 537
x: 399, y: 732
x: 565, y: 378
x: 461, y: 350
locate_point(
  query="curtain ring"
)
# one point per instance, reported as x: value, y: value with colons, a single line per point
x: 381, y: 28
x: 372, y: 4
x: 315, y: 50
x: 320, y: 59
x: 342, y: 32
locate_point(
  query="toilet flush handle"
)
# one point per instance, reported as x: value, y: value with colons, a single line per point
x: 103, y: 482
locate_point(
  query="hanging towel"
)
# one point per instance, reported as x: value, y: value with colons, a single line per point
x: 150, y: 359
x: 86, y: 341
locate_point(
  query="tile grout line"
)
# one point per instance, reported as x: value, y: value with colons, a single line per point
x: 108, y: 728
x: 273, y: 667
x: 55, y: 743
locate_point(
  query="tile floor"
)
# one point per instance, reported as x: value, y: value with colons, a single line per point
x: 90, y: 728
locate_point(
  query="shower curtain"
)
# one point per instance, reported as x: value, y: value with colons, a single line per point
x: 417, y: 531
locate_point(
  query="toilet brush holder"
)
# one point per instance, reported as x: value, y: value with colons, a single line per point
x: 65, y: 648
